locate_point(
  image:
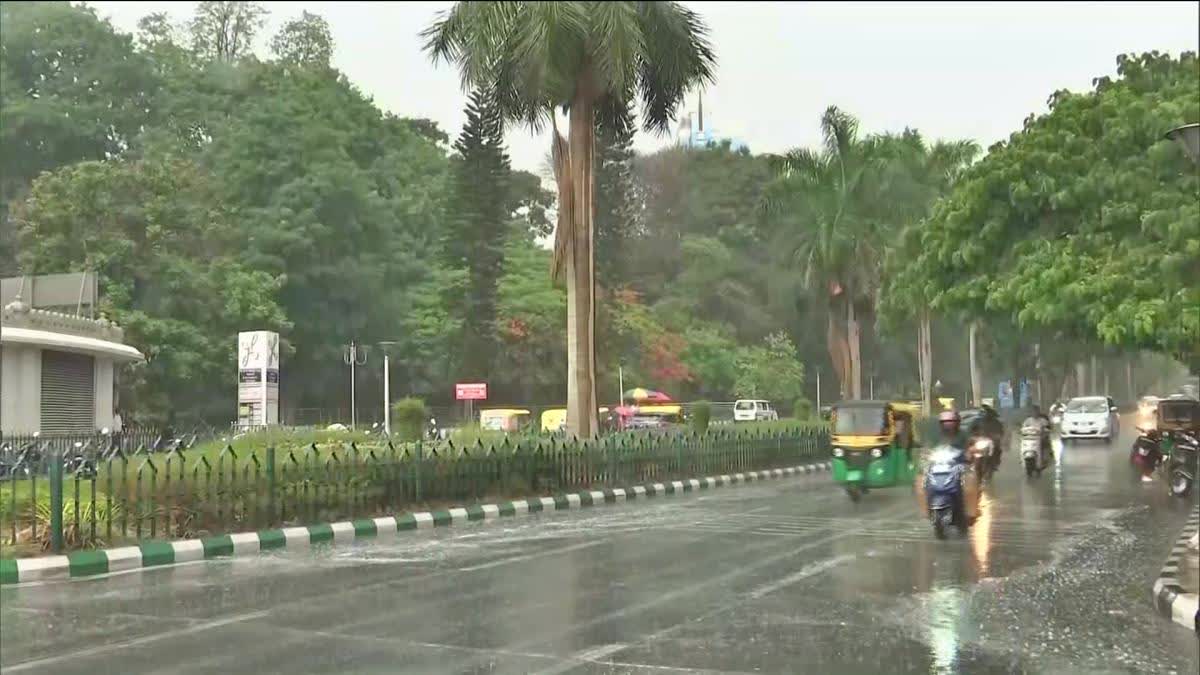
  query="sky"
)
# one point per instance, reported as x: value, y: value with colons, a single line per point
x: 951, y: 70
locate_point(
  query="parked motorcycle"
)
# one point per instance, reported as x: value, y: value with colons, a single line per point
x: 1146, y: 455
x: 1184, y: 463
x: 78, y: 463
x: 944, y: 491
x: 1035, y: 441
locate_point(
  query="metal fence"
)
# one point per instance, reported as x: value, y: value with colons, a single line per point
x: 186, y: 492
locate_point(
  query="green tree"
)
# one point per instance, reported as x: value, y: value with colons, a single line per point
x: 617, y: 201
x: 573, y: 55
x: 771, y: 371
x: 475, y: 237
x: 225, y: 31
x: 1085, y: 223
x: 305, y: 41
x: 165, y: 252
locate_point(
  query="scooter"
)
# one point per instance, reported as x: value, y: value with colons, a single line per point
x: 981, y: 450
x: 1146, y: 455
x: 1034, y: 441
x: 944, y: 491
x: 1183, y: 464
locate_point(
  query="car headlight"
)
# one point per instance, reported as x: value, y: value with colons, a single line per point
x: 877, y: 452
x: 838, y: 452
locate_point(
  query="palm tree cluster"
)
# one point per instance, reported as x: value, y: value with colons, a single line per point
x: 839, y: 211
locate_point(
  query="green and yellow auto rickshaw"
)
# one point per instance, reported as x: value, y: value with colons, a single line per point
x: 873, y: 446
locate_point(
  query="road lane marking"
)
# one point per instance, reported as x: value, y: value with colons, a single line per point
x: 531, y: 556
x: 136, y: 642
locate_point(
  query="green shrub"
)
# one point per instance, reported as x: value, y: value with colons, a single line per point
x: 701, y: 414
x: 802, y: 409
x: 409, y: 415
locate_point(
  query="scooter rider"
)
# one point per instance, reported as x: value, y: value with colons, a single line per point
x: 951, y: 434
x: 1036, y: 416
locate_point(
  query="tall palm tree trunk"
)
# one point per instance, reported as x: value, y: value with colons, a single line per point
x: 580, y: 273
x: 839, y: 350
x: 853, y: 333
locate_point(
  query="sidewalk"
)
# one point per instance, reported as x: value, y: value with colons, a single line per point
x: 1177, y: 590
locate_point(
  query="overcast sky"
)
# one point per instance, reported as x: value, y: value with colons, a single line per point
x: 952, y: 70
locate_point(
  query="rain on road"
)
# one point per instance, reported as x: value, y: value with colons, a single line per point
x: 786, y: 577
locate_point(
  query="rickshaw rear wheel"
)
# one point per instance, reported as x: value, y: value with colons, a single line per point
x: 853, y: 492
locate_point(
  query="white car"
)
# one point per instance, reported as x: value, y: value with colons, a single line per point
x: 1090, y: 417
x: 753, y: 410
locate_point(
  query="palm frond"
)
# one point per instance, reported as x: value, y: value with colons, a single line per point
x: 676, y: 58
x: 616, y: 43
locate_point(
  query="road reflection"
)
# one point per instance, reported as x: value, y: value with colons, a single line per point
x: 981, y: 535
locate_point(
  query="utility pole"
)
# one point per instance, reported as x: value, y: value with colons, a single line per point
x: 818, y: 392
x: 387, y: 388
x: 354, y: 355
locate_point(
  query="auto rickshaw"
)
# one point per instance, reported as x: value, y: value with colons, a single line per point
x: 554, y: 420
x: 1179, y: 433
x: 873, y: 444
x: 507, y: 420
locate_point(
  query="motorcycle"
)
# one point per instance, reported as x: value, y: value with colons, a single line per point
x: 982, y: 452
x: 1035, y: 439
x: 944, y: 491
x: 1146, y: 455
x: 1183, y: 464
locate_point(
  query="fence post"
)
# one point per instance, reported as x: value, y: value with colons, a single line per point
x: 56, y: 501
x: 417, y: 472
x: 271, y: 484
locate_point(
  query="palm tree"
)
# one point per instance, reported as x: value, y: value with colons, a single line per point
x: 824, y: 203
x: 575, y: 56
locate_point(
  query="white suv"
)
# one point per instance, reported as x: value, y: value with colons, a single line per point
x: 1090, y: 417
x: 753, y: 410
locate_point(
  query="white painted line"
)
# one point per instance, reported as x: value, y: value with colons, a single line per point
x: 385, y: 525
x: 619, y: 493
x: 530, y: 556
x: 597, y: 496
x: 791, y: 470
x: 573, y: 501
x: 725, y: 477
x: 490, y: 511
x: 244, y: 542
x: 343, y: 532
x: 520, y: 506
x: 423, y: 519
x: 695, y: 484
x: 711, y: 482
x: 296, y: 537
x: 124, y: 558
x: 678, y: 485
x: 188, y: 550
x: 458, y: 514
x: 740, y: 477
x: 659, y: 488
x: 639, y: 490
x: 778, y: 472
x: 547, y: 503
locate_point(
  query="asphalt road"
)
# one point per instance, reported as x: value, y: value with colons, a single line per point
x: 786, y: 576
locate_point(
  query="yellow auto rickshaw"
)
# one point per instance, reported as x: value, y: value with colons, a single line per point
x: 508, y: 420
x: 873, y: 446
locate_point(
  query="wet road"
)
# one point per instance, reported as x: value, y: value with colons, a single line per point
x: 785, y: 577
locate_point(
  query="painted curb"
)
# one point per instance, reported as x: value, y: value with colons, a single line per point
x: 163, y: 553
x: 1169, y: 598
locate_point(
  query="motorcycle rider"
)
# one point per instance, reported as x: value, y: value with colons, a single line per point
x: 951, y: 434
x: 1036, y: 416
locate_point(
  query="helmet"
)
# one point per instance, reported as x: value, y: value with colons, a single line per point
x: 948, y: 416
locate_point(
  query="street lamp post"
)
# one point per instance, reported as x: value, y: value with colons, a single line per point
x: 354, y: 355
x: 1188, y: 137
x: 387, y: 387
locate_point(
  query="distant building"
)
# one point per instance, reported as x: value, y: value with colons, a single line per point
x: 57, y: 360
x: 693, y: 133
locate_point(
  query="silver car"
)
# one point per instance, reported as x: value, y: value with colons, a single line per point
x: 1090, y: 417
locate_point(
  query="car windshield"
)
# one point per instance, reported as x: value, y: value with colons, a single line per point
x: 1187, y: 413
x: 859, y: 421
x: 744, y: 405
x: 1087, y: 405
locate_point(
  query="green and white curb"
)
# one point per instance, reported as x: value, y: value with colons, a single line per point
x: 1170, y: 599
x: 163, y: 553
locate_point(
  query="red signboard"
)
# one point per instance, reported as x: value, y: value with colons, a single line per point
x: 470, y: 391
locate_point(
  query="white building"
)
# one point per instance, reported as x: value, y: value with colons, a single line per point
x: 57, y: 368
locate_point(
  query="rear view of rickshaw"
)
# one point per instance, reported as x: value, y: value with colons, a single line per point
x: 1179, y: 434
x: 873, y: 446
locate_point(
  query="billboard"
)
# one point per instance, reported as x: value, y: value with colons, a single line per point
x: 258, y: 378
x: 470, y: 391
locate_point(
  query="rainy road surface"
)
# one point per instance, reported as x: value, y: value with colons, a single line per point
x: 782, y: 577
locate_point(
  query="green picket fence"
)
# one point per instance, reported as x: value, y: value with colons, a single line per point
x: 188, y: 492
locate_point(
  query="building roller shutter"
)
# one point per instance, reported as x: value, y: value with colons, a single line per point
x: 68, y: 392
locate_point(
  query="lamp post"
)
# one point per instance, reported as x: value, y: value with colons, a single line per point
x: 387, y: 387
x: 1188, y: 137
x: 354, y: 355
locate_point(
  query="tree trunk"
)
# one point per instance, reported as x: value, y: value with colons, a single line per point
x: 925, y: 363
x: 1129, y: 379
x: 838, y: 351
x: 581, y: 280
x: 1080, y: 378
x: 855, y: 355
x: 1094, y: 380
x: 973, y: 355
